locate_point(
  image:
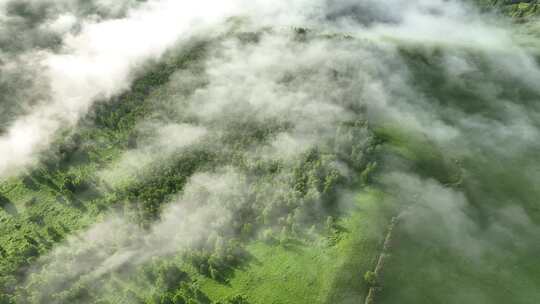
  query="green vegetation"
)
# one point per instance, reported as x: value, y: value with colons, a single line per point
x: 319, y: 270
x: 66, y: 193
x: 516, y: 9
x: 220, y: 176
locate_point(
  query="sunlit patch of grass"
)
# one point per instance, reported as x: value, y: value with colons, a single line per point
x: 315, y: 271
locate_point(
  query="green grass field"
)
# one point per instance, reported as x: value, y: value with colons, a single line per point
x: 327, y: 270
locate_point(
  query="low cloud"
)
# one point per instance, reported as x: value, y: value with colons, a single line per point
x: 435, y: 69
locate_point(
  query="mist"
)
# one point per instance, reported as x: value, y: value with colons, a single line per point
x: 113, y: 47
x: 279, y: 85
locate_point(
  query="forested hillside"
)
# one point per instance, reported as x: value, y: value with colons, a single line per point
x: 312, y: 152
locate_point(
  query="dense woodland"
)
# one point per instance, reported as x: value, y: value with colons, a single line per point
x: 282, y: 200
x: 90, y: 222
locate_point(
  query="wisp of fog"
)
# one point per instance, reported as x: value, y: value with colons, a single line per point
x: 438, y: 71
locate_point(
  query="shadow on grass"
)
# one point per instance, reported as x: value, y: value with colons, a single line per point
x: 358, y: 254
x: 8, y: 206
x: 292, y: 245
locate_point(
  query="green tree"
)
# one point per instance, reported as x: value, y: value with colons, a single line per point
x: 370, y: 278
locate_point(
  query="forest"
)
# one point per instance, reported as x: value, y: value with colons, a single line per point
x: 328, y: 151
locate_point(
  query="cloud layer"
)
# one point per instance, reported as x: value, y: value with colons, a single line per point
x: 434, y: 69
